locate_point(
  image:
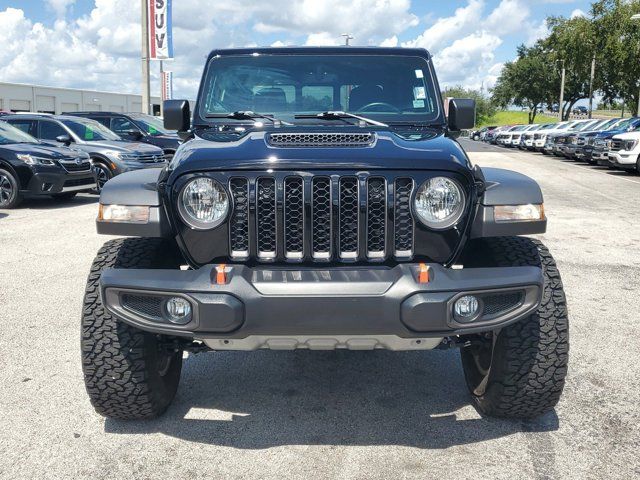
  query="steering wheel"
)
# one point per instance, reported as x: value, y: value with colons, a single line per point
x: 374, y: 107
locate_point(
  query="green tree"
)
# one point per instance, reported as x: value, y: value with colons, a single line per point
x: 485, y: 109
x: 573, y: 43
x: 618, y: 44
x: 527, y: 81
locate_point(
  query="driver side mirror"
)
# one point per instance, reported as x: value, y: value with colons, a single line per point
x: 462, y: 114
x: 66, y: 139
x: 177, y: 115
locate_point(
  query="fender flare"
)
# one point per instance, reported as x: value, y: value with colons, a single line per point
x: 506, y: 187
x: 136, y: 188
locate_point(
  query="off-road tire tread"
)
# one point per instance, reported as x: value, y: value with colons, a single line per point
x: 118, y: 359
x: 531, y: 356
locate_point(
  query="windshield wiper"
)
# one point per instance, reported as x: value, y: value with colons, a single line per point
x: 248, y: 115
x: 338, y: 115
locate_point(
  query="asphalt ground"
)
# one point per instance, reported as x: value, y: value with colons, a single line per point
x: 328, y: 414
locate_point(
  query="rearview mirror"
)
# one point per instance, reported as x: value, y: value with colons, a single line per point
x: 177, y: 115
x: 462, y: 114
x: 66, y: 139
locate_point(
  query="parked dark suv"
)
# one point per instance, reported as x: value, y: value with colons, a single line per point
x: 29, y: 167
x: 110, y: 154
x: 137, y: 127
x: 321, y: 201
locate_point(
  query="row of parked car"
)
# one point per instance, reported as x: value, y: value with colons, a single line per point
x: 613, y: 142
x: 62, y: 155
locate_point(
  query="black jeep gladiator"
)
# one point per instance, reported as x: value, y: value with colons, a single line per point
x: 320, y: 201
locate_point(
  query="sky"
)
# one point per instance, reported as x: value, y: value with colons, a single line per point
x: 95, y: 44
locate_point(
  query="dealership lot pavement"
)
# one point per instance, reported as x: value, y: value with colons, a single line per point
x: 328, y: 414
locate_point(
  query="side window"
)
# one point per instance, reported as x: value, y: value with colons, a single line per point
x: 103, y: 120
x: 50, y: 130
x: 27, y: 126
x: 121, y: 125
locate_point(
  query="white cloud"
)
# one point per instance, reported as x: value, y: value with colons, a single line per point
x: 390, y: 42
x: 578, y: 13
x: 445, y: 30
x: 59, y: 6
x: 467, y: 60
x: 508, y: 17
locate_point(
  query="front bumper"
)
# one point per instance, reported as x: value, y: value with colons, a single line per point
x: 625, y: 161
x: 600, y: 156
x: 355, y: 307
x: 47, y: 182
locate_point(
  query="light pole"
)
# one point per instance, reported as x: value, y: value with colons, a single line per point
x: 347, y: 37
x: 146, y: 83
x: 636, y: 17
x: 593, y: 73
x: 561, y: 105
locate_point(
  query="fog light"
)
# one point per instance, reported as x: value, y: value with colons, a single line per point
x: 178, y: 310
x: 466, y: 308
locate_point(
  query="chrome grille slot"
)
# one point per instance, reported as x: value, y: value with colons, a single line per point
x: 294, y: 217
x: 349, y: 217
x: 403, y: 220
x: 266, y: 218
x: 239, y: 223
x: 321, y: 221
x: 376, y: 217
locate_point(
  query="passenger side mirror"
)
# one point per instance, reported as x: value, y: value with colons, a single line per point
x: 462, y: 114
x: 66, y: 139
x: 177, y: 115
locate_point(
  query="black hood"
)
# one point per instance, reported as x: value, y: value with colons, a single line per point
x: 398, y: 149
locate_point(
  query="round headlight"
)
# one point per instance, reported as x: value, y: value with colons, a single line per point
x: 439, y: 203
x: 203, y: 203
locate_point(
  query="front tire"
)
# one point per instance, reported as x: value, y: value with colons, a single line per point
x: 103, y: 175
x: 129, y: 373
x: 519, y: 371
x: 10, y: 196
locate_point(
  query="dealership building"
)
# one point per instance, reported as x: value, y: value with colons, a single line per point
x: 18, y: 97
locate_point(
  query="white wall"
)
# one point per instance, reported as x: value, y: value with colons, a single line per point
x: 15, y: 96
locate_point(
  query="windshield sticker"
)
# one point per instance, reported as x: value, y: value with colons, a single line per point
x: 418, y: 104
x: 419, y: 74
x: 88, y: 134
x: 152, y: 130
x: 419, y: 93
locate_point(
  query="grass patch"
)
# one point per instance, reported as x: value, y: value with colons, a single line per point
x: 513, y: 118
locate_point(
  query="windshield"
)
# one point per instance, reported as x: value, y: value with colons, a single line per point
x: 10, y: 134
x: 90, y: 130
x: 623, y: 125
x: 151, y: 125
x: 383, y: 87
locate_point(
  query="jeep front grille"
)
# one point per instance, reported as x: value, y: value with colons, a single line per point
x: 288, y: 140
x: 321, y: 218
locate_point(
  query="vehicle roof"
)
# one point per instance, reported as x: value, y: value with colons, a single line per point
x: 33, y: 116
x: 339, y: 50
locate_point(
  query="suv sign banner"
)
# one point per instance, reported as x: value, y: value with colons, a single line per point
x: 160, y: 30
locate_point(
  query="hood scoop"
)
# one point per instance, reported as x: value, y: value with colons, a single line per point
x: 293, y: 140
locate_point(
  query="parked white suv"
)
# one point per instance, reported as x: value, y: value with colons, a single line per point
x: 624, y: 152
